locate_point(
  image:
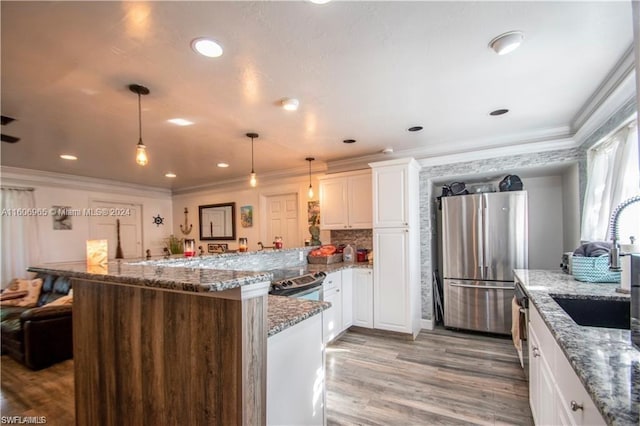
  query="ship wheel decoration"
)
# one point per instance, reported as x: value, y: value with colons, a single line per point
x: 158, y: 220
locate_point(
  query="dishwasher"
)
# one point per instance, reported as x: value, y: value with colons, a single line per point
x: 523, y: 322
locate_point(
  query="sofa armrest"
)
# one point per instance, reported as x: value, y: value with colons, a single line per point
x: 46, y: 312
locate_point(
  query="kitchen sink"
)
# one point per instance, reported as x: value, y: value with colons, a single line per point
x: 606, y: 313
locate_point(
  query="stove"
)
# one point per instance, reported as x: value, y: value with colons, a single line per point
x: 291, y: 281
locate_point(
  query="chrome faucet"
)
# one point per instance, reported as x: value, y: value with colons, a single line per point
x: 614, y: 254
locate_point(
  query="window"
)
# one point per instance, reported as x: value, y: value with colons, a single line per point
x: 613, y: 177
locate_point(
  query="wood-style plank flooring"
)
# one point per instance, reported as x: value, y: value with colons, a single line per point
x: 441, y: 378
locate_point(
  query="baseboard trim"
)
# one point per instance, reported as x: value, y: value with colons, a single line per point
x: 426, y: 324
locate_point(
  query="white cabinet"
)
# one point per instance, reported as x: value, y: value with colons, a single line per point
x: 347, y: 298
x: 345, y: 201
x: 392, y: 194
x: 396, y: 244
x: 556, y: 394
x: 295, y: 388
x: 363, y: 298
x: 332, y: 320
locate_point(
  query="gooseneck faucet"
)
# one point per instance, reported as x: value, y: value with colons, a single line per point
x: 614, y: 254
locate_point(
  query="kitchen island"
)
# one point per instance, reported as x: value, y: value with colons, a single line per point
x: 173, y: 345
x: 603, y: 359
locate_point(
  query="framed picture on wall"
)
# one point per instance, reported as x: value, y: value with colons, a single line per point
x: 246, y: 216
x: 313, y: 213
x: 217, y: 248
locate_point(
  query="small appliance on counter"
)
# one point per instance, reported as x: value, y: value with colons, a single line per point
x: 565, y: 264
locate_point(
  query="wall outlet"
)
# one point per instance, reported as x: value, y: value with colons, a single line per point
x: 300, y: 256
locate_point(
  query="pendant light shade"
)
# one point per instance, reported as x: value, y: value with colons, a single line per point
x: 252, y: 177
x: 310, y: 192
x: 141, y: 149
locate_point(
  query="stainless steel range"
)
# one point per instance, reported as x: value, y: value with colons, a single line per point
x: 295, y: 282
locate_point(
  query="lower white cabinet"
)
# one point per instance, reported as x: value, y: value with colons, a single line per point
x: 295, y: 384
x: 556, y: 395
x: 363, y: 298
x: 347, y: 298
x: 332, y: 319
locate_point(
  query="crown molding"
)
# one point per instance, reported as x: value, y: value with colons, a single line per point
x: 478, y: 149
x: 31, y: 177
x: 611, y: 94
x: 264, y: 179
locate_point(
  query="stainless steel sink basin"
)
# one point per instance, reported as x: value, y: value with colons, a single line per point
x: 597, y: 312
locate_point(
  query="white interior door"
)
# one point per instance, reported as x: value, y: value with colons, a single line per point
x: 282, y: 219
x: 103, y: 227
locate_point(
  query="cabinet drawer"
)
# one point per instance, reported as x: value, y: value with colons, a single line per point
x: 570, y: 389
x: 547, y: 343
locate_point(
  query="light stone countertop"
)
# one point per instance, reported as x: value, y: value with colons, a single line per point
x: 603, y: 358
x: 284, y: 312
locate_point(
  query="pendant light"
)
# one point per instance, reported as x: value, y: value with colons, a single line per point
x: 252, y: 178
x: 310, y: 193
x: 141, y: 149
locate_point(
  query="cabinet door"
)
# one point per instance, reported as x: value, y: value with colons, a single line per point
x: 390, y: 197
x: 363, y: 298
x: 332, y: 321
x: 347, y: 298
x: 333, y: 204
x: 534, y: 375
x: 359, y: 199
x: 391, y: 309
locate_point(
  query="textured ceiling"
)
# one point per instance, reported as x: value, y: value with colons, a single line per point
x: 361, y: 70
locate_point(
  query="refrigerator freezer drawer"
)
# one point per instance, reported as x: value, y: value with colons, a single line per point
x: 478, y: 305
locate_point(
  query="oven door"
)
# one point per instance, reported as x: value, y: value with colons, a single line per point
x: 314, y: 293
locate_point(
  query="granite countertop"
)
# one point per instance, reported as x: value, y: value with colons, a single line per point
x: 196, y: 280
x: 333, y: 267
x: 603, y: 358
x: 284, y: 312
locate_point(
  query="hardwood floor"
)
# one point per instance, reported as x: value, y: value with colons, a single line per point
x: 441, y: 378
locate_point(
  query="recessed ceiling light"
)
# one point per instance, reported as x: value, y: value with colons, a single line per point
x: 507, y: 42
x: 223, y: 165
x: 320, y: 1
x: 68, y: 157
x: 415, y: 128
x: 499, y: 112
x: 206, y: 47
x: 170, y: 175
x: 290, y: 104
x: 349, y: 141
x: 387, y: 151
x: 180, y: 122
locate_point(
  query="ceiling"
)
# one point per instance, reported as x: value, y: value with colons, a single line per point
x: 361, y: 70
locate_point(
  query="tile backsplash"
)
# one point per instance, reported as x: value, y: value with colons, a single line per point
x: 360, y: 238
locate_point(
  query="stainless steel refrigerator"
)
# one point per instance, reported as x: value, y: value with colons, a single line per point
x: 484, y: 238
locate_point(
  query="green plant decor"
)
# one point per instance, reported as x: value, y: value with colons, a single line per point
x: 175, y: 244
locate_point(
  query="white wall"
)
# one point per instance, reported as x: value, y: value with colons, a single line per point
x: 545, y: 221
x: 243, y: 195
x: 571, y: 208
x: 52, y: 189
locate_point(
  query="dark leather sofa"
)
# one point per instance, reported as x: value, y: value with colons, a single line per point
x: 40, y: 336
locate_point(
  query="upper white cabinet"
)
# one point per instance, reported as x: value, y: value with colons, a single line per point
x: 394, y: 189
x: 345, y: 200
x: 396, y: 244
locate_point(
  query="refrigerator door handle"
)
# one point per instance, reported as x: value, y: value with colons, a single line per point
x: 485, y: 234
x: 481, y: 287
x: 480, y: 241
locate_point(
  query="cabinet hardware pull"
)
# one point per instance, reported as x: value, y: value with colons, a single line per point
x: 575, y: 406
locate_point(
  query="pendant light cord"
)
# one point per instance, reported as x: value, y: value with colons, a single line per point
x: 252, y: 156
x: 139, y: 119
x: 310, y: 173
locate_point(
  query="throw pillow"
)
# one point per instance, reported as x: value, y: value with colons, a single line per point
x: 9, y: 295
x: 33, y: 291
x: 64, y: 300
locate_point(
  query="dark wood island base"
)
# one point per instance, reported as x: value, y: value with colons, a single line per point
x: 151, y: 356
